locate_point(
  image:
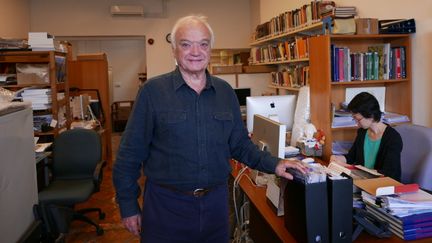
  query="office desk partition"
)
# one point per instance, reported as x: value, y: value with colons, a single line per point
x: 263, y: 218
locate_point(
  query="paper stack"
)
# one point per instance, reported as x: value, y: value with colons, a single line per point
x: 41, y: 41
x: 392, y: 118
x: 409, y: 214
x: 40, y: 98
x: 343, y: 121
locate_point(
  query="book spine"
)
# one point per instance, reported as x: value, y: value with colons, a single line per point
x: 403, y: 62
x: 398, y: 63
x: 336, y: 64
x: 341, y: 64
x: 332, y: 62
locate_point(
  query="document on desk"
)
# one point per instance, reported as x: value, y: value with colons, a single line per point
x: 316, y: 173
x: 41, y: 147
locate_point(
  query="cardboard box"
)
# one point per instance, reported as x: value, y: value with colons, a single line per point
x: 366, y: 26
x: 31, y: 78
x: 32, y: 73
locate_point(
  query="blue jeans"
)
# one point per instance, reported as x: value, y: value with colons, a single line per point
x: 170, y: 216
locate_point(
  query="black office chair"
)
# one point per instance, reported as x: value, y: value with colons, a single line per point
x: 77, y: 174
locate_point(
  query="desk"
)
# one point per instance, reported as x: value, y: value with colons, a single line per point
x: 276, y: 225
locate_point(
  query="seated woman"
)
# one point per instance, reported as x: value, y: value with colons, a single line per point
x: 377, y: 145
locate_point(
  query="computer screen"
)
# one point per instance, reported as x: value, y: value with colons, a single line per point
x: 280, y: 108
x: 269, y: 135
x: 242, y: 94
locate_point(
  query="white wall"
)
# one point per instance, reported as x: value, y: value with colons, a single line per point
x: 14, y: 18
x: 230, y: 21
x: 421, y: 10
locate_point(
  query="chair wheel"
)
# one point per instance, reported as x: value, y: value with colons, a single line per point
x: 102, y: 216
x: 99, y: 231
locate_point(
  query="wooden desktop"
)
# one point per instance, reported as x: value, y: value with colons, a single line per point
x: 271, y: 228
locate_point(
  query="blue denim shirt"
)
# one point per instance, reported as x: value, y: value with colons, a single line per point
x: 183, y: 139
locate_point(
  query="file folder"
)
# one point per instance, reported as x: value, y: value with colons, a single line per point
x: 306, y: 211
x: 340, y: 202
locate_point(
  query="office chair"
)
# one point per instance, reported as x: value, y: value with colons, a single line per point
x: 77, y: 171
x: 416, y: 156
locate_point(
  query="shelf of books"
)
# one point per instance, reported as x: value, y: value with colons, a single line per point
x: 284, y: 42
x: 40, y: 77
x: 343, y: 65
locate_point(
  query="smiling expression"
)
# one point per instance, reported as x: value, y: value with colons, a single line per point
x: 192, y: 50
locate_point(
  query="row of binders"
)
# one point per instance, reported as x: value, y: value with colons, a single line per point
x: 318, y: 207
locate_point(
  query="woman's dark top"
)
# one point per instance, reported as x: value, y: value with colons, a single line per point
x: 388, y: 160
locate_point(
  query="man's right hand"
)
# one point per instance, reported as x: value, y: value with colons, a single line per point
x: 133, y: 224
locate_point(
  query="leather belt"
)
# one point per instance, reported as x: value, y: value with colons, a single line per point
x: 199, y: 192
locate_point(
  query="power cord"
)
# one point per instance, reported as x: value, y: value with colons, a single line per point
x: 241, y: 232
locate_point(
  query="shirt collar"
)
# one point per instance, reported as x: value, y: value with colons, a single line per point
x: 178, y: 80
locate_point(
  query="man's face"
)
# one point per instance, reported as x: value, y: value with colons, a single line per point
x: 192, y: 50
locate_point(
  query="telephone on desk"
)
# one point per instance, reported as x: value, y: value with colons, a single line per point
x: 371, y: 224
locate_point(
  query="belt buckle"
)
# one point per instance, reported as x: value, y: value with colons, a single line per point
x: 199, y: 192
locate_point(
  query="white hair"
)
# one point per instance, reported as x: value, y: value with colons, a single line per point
x: 188, y: 19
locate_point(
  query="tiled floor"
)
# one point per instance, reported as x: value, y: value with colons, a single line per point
x: 114, y: 231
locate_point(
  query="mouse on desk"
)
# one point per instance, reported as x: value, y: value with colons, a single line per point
x: 308, y: 160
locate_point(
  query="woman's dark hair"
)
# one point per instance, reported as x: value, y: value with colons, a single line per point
x: 367, y: 105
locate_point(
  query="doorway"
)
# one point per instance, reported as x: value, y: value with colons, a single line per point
x: 126, y: 60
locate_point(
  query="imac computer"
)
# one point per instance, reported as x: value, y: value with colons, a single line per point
x: 269, y: 135
x: 279, y: 108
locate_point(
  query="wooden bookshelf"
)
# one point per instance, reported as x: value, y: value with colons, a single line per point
x: 324, y: 93
x: 300, y: 30
x: 292, y: 62
x: 56, y: 86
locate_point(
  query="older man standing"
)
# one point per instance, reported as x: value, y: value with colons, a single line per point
x: 184, y: 128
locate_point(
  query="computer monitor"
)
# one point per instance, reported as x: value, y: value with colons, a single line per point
x: 269, y: 135
x: 242, y: 94
x: 280, y: 108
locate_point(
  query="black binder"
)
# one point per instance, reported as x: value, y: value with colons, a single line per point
x: 306, y: 211
x: 397, y: 26
x: 340, y: 201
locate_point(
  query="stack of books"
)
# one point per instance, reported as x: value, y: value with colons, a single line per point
x: 40, y: 98
x: 42, y: 123
x: 341, y: 147
x: 409, y: 213
x: 344, y: 11
x: 41, y: 41
x: 343, y: 121
x: 392, y: 118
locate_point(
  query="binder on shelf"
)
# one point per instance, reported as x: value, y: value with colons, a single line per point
x: 397, y: 26
x: 340, y: 202
x: 306, y: 211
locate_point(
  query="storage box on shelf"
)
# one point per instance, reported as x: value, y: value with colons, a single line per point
x: 42, y: 70
x: 327, y: 93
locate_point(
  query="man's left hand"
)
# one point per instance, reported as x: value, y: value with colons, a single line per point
x: 283, y: 165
